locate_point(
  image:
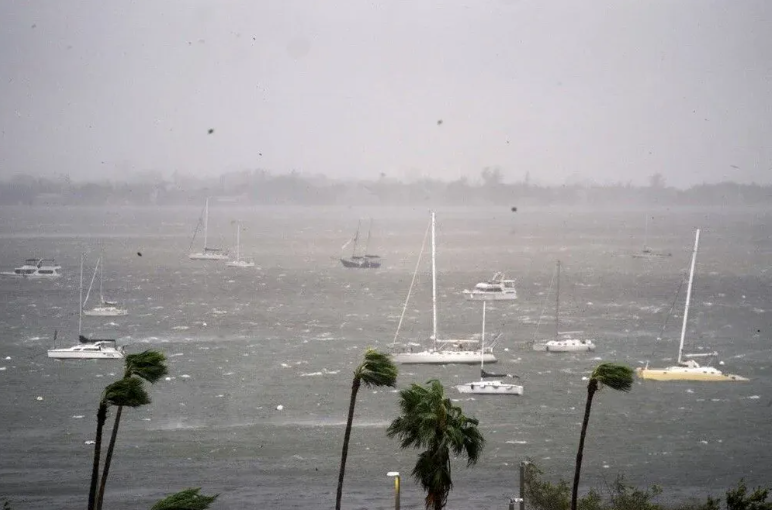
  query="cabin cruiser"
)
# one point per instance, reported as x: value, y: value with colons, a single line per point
x: 36, y: 269
x: 498, y: 288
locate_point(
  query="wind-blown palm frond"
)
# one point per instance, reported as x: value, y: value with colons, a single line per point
x: 377, y: 369
x: 127, y: 393
x: 189, y: 499
x: 615, y: 376
x: 430, y: 420
x: 148, y: 365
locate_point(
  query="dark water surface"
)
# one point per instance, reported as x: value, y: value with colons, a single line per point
x: 290, y: 332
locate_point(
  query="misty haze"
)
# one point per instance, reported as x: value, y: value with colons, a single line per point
x: 210, y: 212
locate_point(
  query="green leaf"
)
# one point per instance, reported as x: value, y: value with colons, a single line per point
x: 127, y: 393
x: 188, y: 499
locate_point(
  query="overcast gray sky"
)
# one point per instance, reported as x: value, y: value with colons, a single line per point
x: 606, y: 90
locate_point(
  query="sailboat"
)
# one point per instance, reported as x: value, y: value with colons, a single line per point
x: 486, y: 387
x: 364, y: 261
x: 239, y: 262
x: 563, y: 341
x: 646, y: 252
x: 441, y: 351
x: 86, y: 348
x: 208, y: 253
x: 105, y: 308
x: 687, y: 369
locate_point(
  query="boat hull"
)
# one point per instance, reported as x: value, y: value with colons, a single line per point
x: 567, y: 346
x: 10, y: 274
x: 707, y: 374
x: 362, y: 263
x: 490, y: 388
x: 490, y: 296
x: 78, y: 352
x: 207, y: 256
x: 442, y: 358
x: 240, y: 263
x: 106, y: 312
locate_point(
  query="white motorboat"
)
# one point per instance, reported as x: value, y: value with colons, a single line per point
x: 687, y: 368
x: 105, y: 308
x: 498, y: 288
x: 238, y: 261
x: 86, y: 348
x: 441, y: 351
x: 35, y: 269
x: 483, y: 386
x: 207, y: 253
x: 564, y: 341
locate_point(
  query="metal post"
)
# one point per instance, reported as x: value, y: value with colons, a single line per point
x: 395, y: 474
x: 523, y: 465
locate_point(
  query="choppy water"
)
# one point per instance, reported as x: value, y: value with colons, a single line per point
x: 242, y: 342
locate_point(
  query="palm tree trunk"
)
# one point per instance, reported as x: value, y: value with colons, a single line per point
x: 592, y: 387
x: 108, y: 458
x: 346, y: 437
x: 101, y: 419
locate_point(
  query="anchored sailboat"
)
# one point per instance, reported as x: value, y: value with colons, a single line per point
x: 208, y: 253
x: 364, y: 261
x: 487, y: 387
x: 441, y: 351
x: 687, y: 369
x: 239, y: 262
x: 646, y: 252
x: 105, y: 308
x: 564, y: 341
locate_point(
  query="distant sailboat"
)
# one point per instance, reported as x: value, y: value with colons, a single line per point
x: 646, y: 252
x: 239, y: 262
x: 441, y: 351
x: 487, y: 387
x: 105, y: 308
x: 208, y: 253
x: 687, y: 369
x: 364, y: 261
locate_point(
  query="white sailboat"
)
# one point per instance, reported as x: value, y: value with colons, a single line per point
x: 687, y: 369
x: 105, y: 308
x: 565, y: 341
x: 208, y: 253
x: 646, y: 252
x: 488, y: 387
x: 238, y: 261
x: 441, y: 351
x: 86, y: 348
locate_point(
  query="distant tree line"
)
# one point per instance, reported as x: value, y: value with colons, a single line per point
x: 260, y: 187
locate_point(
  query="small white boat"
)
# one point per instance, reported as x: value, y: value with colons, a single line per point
x: 563, y: 341
x: 105, y: 308
x: 442, y: 351
x: 687, y: 369
x: 208, y: 253
x: 36, y: 269
x: 86, y: 348
x: 239, y: 262
x: 483, y: 387
x: 498, y: 288
x: 100, y: 349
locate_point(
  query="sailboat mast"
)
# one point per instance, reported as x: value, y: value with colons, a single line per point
x: 688, y: 295
x: 356, y: 240
x: 482, y: 343
x: 238, y: 240
x: 646, y: 232
x: 434, y: 283
x: 557, y: 305
x: 80, y: 300
x: 206, y: 221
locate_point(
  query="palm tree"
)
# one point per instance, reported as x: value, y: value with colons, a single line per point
x: 149, y: 366
x: 376, y: 369
x: 123, y: 392
x: 429, y: 420
x: 615, y: 376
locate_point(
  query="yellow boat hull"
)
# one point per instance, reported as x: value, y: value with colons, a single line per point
x: 687, y: 374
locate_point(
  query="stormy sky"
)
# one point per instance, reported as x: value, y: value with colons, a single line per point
x: 568, y: 91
